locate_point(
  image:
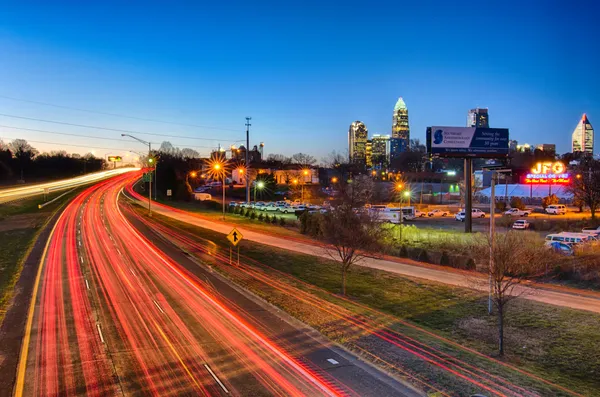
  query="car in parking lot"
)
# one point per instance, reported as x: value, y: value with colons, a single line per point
x: 561, y: 248
x: 287, y: 209
x: 460, y: 216
x: 477, y: 213
x: 520, y: 224
x: 258, y: 205
x: 420, y: 214
x: 233, y: 204
x: 556, y: 209
x: 517, y: 212
x: 436, y: 213
x: 270, y: 207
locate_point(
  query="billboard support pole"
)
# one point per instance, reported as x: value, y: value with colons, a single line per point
x: 468, y: 195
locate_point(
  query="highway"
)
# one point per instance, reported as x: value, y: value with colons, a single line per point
x: 119, y: 311
x: 20, y: 192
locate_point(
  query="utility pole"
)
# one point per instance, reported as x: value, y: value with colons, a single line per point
x: 248, y: 158
x: 468, y: 195
x: 151, y: 162
x: 492, y: 236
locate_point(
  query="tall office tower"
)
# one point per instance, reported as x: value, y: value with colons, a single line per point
x: 400, y: 128
x: 380, y: 156
x: 478, y: 117
x: 583, y: 137
x: 357, y: 142
x: 369, y: 153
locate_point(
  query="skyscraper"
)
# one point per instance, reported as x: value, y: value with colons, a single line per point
x: 380, y: 156
x: 357, y: 142
x: 478, y: 117
x: 400, y: 128
x: 583, y: 137
x: 369, y: 152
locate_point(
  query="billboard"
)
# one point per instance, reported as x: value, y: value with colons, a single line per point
x: 467, y: 142
x: 548, y: 173
x: 115, y: 158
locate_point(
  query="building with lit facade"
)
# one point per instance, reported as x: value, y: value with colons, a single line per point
x: 400, y: 127
x: 478, y: 117
x: 357, y: 142
x: 369, y: 153
x: 583, y: 137
x: 380, y: 155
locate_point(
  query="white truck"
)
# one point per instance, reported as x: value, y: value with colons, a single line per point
x: 517, y: 212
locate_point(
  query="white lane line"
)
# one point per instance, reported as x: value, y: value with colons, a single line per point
x: 87, y: 284
x: 159, y: 308
x: 132, y: 272
x: 80, y: 243
x: 100, y: 333
x: 81, y: 257
x: 334, y: 362
x: 217, y: 379
x: 119, y: 252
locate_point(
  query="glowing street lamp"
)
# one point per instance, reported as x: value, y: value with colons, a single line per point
x: 334, y: 180
x: 258, y: 185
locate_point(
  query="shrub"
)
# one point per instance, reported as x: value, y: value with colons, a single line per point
x: 253, y: 215
x: 281, y: 221
x: 516, y: 202
x: 445, y: 259
x: 549, y: 200
x: 423, y: 257
x: 501, y: 206
x: 261, y: 217
x: 274, y: 220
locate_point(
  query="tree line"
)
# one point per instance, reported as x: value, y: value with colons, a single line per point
x: 19, y: 161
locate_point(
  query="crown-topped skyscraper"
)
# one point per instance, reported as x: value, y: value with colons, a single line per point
x: 400, y: 129
x: 583, y: 137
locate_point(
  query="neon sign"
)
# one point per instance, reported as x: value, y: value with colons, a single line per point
x: 548, y: 173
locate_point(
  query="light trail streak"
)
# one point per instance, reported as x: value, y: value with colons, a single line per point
x: 167, y: 348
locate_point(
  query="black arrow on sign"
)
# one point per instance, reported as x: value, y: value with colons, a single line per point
x: 235, y: 236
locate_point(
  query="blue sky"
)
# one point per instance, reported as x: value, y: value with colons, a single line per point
x: 303, y: 70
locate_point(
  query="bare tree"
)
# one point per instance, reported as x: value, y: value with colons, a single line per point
x: 352, y: 234
x: 352, y: 231
x: 304, y: 160
x: 586, y: 184
x: 188, y: 153
x: 22, y: 151
x: 515, y: 257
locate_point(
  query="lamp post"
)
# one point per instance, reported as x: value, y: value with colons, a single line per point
x: 219, y: 169
x: 150, y: 162
x: 304, y: 175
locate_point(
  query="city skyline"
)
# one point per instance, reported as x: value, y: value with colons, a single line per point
x: 203, y: 75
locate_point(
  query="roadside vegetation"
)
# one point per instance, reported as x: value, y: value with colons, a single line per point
x: 558, y: 344
x: 21, y: 222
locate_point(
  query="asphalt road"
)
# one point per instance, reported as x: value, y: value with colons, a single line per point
x: 119, y: 312
x: 560, y: 296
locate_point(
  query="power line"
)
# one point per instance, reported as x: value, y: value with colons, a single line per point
x: 116, y: 114
x: 96, y: 137
x: 115, y: 129
x: 70, y: 144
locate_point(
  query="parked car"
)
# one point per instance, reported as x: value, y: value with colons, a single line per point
x: 477, y: 213
x: 300, y: 209
x: 420, y: 214
x: 244, y: 204
x: 270, y: 207
x: 258, y: 205
x: 287, y: 209
x: 202, y: 196
x: 520, y: 224
x: 586, y: 229
x: 556, y: 209
x: 517, y: 212
x: 460, y: 216
x: 437, y: 213
x: 233, y: 204
x: 202, y: 189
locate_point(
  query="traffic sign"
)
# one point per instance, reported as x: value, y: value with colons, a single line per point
x: 169, y: 192
x: 234, y: 237
x: 147, y: 176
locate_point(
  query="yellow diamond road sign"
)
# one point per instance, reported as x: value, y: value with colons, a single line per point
x: 234, y: 237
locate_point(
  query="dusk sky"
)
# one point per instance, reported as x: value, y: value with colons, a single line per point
x: 302, y: 70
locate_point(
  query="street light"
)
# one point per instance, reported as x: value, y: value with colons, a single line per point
x: 258, y: 185
x: 150, y: 161
x: 218, y: 169
x: 334, y: 180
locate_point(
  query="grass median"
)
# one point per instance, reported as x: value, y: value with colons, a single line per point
x: 557, y: 344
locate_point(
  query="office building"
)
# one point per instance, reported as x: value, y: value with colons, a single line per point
x: 369, y: 153
x: 583, y: 137
x: 478, y: 117
x: 400, y: 127
x: 380, y: 156
x: 357, y: 142
x: 397, y: 146
x: 549, y: 148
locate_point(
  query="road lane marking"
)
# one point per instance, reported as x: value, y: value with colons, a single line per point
x: 132, y: 272
x: 100, y: 333
x: 217, y: 379
x: 334, y: 362
x: 87, y: 284
x: 81, y: 257
x: 20, y: 383
x: 159, y: 308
